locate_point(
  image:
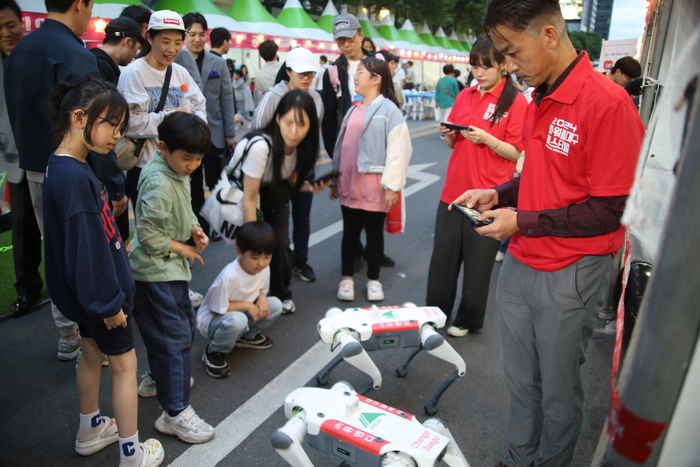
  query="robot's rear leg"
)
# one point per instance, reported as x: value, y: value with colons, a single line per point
x: 287, y: 442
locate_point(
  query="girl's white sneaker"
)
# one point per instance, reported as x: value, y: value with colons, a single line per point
x: 346, y: 290
x: 375, y: 292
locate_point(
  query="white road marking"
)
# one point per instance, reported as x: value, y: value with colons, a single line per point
x: 236, y: 428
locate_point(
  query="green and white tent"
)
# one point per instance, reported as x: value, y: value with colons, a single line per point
x: 325, y: 22
x: 253, y: 18
x: 389, y: 32
x: 409, y: 34
x: 445, y: 43
x: 456, y: 43
x: 465, y: 42
x: 298, y: 21
x: 368, y: 30
x: 214, y: 16
x: 111, y: 9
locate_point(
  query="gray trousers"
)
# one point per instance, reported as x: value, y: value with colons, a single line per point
x: 546, y: 321
x: 226, y: 329
x: 36, y: 189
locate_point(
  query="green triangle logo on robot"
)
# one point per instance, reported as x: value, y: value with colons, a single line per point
x: 371, y: 420
x: 390, y: 315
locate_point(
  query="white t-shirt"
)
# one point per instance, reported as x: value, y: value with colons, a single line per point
x: 256, y: 162
x: 141, y: 85
x: 410, y: 75
x: 352, y: 69
x: 232, y: 284
x: 318, y: 79
x: 399, y: 76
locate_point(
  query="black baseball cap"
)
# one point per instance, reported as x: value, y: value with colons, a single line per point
x: 123, y: 27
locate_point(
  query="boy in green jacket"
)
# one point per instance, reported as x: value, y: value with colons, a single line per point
x: 161, y: 260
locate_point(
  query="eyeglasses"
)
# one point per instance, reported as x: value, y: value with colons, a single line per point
x: 308, y: 74
x: 342, y: 40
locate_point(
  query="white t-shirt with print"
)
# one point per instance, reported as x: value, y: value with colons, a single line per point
x: 141, y: 85
x: 232, y: 284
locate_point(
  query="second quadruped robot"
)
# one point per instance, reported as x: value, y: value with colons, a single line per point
x: 357, y: 330
x: 361, y: 432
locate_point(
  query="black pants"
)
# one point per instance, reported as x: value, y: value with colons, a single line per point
x: 301, y: 220
x: 281, y: 264
x: 26, y: 240
x: 132, y: 183
x: 209, y: 171
x: 457, y: 244
x: 354, y: 220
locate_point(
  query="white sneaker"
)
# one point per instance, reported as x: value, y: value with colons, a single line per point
x: 107, y: 436
x: 375, y: 292
x: 500, y: 256
x: 288, y: 307
x: 153, y: 453
x: 147, y: 387
x: 346, y: 290
x: 187, y: 426
x: 196, y: 298
x: 457, y: 331
x: 68, y: 348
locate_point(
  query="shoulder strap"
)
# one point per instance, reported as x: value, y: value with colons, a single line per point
x: 445, y: 88
x: 235, y: 175
x: 164, y: 91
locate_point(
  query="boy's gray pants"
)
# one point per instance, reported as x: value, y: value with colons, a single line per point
x: 546, y: 321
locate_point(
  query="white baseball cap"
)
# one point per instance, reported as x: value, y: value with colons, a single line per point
x: 166, y: 19
x: 300, y: 60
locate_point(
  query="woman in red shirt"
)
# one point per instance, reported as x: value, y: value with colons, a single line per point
x: 481, y: 158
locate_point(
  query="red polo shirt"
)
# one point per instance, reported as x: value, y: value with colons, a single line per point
x: 582, y: 140
x: 475, y: 165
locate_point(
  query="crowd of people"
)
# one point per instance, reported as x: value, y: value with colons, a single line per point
x: 151, y: 117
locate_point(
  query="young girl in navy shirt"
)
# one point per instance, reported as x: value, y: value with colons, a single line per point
x: 87, y: 270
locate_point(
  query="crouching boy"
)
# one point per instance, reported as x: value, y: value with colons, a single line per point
x: 161, y: 260
x: 236, y: 307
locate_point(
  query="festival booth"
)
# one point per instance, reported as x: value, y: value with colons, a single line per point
x: 368, y: 30
x: 465, y: 42
x: 325, y: 22
x: 214, y: 16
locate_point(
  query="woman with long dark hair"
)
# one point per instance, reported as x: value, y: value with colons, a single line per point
x: 278, y: 159
x: 483, y: 157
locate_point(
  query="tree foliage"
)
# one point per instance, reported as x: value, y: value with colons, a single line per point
x: 589, y: 41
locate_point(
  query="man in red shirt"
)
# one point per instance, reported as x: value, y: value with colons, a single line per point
x: 582, y: 137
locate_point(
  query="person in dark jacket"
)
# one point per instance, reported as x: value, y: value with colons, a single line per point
x: 52, y: 54
x: 121, y: 44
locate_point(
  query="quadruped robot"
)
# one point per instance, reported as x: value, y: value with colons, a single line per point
x: 360, y: 431
x: 357, y: 330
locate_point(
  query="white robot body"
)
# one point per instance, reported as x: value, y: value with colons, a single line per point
x: 361, y: 431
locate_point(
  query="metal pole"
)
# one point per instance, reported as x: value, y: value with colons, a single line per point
x: 668, y: 327
x: 649, y: 93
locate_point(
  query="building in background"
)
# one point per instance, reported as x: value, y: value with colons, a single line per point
x: 603, y: 17
x: 580, y: 15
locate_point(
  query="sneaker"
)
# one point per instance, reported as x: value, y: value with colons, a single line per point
x: 375, y: 292
x: 196, y: 298
x: 108, y: 435
x: 186, y: 425
x: 105, y: 360
x: 387, y: 262
x: 305, y: 272
x: 215, y: 236
x: 346, y: 290
x: 288, y: 307
x: 147, y: 387
x: 215, y: 364
x: 68, y: 349
x: 258, y: 342
x: 153, y: 453
x: 457, y: 331
x: 500, y: 256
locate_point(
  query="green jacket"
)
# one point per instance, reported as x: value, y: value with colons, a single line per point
x: 442, y: 93
x: 163, y: 214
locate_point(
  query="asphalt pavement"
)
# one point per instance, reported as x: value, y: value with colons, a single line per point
x: 38, y: 395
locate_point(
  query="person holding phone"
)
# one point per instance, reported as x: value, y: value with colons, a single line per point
x: 484, y: 155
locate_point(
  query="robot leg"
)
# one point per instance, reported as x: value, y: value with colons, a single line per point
x: 287, y: 441
x: 356, y: 355
x: 397, y: 459
x: 436, y: 345
x: 453, y: 455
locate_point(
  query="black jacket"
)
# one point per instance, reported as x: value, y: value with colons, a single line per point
x: 334, y: 108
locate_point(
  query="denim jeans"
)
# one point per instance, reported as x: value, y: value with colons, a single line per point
x: 165, y: 317
x: 226, y: 329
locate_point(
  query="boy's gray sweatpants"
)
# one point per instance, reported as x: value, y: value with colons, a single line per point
x: 546, y: 321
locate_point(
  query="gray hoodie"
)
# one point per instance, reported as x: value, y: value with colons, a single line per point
x: 267, y: 107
